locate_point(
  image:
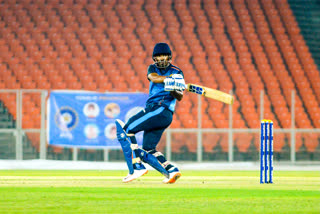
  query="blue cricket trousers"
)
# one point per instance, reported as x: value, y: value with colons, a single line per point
x: 153, y: 121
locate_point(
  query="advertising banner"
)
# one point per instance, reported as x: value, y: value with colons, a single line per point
x: 86, y: 119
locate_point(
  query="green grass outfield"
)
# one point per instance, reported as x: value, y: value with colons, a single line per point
x: 197, y: 192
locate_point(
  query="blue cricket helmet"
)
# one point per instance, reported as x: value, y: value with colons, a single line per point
x: 161, y: 49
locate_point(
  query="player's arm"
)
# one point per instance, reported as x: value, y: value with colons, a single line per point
x: 156, y: 78
x: 177, y: 94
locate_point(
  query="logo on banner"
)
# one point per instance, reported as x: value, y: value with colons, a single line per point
x: 66, y: 118
x: 112, y: 110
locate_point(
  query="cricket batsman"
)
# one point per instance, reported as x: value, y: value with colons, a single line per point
x: 166, y: 86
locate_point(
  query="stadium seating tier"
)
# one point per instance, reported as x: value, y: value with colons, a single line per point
x: 244, y: 45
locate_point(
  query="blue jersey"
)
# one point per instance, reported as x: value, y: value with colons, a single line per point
x: 157, y: 94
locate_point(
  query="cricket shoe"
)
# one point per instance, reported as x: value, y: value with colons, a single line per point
x: 135, y: 175
x: 174, y: 175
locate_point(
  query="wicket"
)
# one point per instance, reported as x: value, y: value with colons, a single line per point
x: 266, y: 151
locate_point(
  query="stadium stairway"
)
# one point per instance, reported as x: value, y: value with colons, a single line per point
x: 7, y: 150
x: 6, y: 120
x: 307, y: 14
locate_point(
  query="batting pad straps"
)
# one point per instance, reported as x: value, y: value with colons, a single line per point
x: 166, y: 164
x: 136, y: 160
x: 152, y: 161
x: 135, y: 154
x: 156, y: 153
x: 134, y: 146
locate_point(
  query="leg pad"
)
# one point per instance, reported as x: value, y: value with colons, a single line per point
x: 125, y: 145
x: 151, y: 160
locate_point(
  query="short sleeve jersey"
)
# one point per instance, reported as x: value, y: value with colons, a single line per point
x: 157, y: 94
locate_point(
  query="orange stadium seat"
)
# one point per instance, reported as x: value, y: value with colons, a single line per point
x: 191, y: 142
x: 210, y: 141
x: 244, y: 46
x: 243, y: 142
x: 286, y: 46
x: 178, y: 141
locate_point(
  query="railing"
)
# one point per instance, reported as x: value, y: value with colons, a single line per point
x: 230, y: 131
x: 18, y: 131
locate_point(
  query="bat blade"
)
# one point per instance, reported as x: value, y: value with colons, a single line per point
x: 210, y: 93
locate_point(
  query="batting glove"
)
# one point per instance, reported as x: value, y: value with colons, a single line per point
x: 180, y: 84
x: 169, y: 84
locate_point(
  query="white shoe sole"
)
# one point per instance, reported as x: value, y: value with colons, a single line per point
x: 135, y: 175
x: 173, y: 178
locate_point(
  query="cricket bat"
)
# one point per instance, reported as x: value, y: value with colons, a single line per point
x: 210, y: 93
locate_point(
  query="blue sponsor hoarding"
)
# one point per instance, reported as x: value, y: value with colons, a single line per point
x: 86, y: 119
